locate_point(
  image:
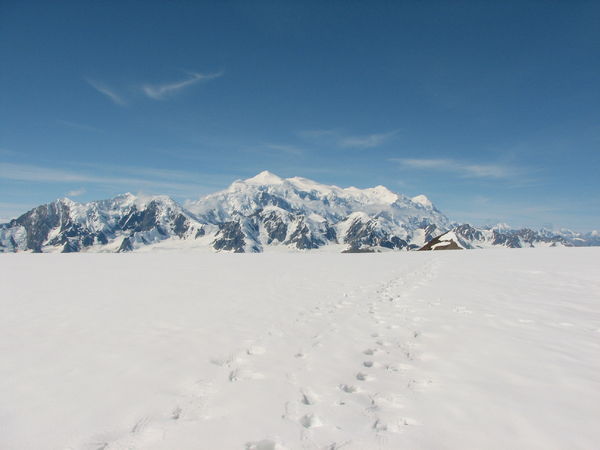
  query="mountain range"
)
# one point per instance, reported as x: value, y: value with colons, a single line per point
x: 259, y: 214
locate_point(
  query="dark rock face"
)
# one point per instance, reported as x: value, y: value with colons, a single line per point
x: 276, y: 228
x: 70, y: 248
x: 438, y: 244
x: 145, y: 220
x: 358, y: 250
x: 126, y: 246
x: 516, y: 238
x: 181, y: 225
x: 303, y: 239
x: 509, y: 239
x: 266, y: 199
x: 330, y: 233
x: 469, y: 233
x: 430, y: 232
x: 365, y: 234
x: 230, y: 237
x: 14, y: 244
x: 39, y: 221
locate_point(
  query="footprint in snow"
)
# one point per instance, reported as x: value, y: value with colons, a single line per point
x: 176, y: 414
x: 265, y: 444
x: 308, y: 397
x: 140, y: 425
x: 310, y: 421
x: 348, y: 388
x: 244, y: 374
x: 255, y: 350
x: 371, y: 351
x: 361, y: 376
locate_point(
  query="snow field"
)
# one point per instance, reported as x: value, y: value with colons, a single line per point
x: 174, y: 350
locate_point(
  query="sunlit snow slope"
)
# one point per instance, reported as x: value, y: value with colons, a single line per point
x: 493, y: 349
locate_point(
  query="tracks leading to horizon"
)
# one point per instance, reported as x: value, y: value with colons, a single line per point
x: 334, y: 375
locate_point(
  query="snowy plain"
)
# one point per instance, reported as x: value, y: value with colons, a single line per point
x: 182, y: 350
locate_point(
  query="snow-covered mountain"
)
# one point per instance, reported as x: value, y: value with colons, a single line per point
x: 253, y: 215
x: 467, y: 237
x: 119, y: 224
x: 267, y: 210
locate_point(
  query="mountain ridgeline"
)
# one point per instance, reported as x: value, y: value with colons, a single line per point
x: 265, y: 212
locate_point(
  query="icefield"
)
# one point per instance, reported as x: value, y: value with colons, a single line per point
x: 495, y: 349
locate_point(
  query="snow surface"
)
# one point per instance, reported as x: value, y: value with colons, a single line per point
x: 182, y: 350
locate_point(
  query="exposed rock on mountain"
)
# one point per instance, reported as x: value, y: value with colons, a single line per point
x: 447, y: 241
x: 259, y: 214
x: 120, y: 224
x: 468, y: 237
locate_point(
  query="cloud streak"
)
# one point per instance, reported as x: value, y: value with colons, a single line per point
x: 465, y: 170
x: 78, y: 126
x: 343, y: 140
x: 31, y: 173
x: 366, y: 141
x: 76, y: 192
x: 108, y: 92
x: 163, y: 91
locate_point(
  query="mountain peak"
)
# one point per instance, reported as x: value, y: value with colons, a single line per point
x: 265, y: 177
x: 422, y: 200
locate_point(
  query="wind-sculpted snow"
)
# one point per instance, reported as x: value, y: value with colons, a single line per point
x: 490, y: 349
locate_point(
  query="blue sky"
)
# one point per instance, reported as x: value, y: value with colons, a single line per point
x: 489, y: 108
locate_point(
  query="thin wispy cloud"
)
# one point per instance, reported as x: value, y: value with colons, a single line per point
x: 78, y: 126
x: 76, y: 192
x: 166, y: 90
x: 108, y: 92
x: 316, y: 134
x: 366, y: 141
x: 463, y: 169
x: 32, y: 173
x: 9, y: 211
x: 343, y: 140
x: 6, y: 152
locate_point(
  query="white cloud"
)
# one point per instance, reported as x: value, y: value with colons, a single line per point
x: 162, y: 91
x: 76, y: 192
x: 103, y: 89
x: 343, y: 140
x: 466, y: 170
